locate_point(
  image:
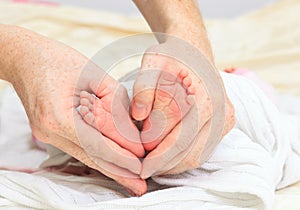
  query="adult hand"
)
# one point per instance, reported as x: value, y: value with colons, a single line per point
x: 48, y: 77
x: 178, y: 109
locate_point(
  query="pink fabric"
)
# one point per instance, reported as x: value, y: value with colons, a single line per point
x: 36, y: 2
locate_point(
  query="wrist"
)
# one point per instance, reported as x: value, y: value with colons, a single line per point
x: 5, y: 52
x: 194, y: 34
x: 18, y: 46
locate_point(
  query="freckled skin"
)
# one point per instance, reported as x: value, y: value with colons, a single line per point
x: 45, y: 74
x: 174, y: 97
x: 183, y: 20
x: 171, y: 119
x: 48, y: 77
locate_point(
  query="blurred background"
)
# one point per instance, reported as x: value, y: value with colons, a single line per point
x: 209, y: 8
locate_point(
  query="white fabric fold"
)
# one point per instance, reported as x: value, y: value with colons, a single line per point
x: 17, y: 150
x: 261, y: 154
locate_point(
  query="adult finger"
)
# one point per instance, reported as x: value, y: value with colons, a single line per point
x: 110, y: 115
x: 99, y: 147
x: 126, y: 178
x: 173, y: 148
x: 194, y: 155
x: 144, y: 88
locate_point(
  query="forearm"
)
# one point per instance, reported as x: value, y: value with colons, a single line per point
x: 180, y: 18
x: 26, y: 55
x: 31, y: 61
x: 6, y: 51
x: 19, y: 50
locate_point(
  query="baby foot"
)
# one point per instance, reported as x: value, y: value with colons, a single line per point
x: 111, y: 117
x: 174, y: 97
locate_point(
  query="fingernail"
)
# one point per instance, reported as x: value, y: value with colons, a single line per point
x: 140, y: 110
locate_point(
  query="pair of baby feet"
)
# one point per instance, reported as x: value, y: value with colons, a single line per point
x: 173, y: 99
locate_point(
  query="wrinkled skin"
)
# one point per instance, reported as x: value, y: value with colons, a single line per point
x: 48, y: 77
x: 185, y: 146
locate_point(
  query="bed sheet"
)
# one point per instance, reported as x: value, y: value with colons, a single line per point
x: 266, y: 41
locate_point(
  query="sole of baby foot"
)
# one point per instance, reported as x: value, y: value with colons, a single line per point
x: 120, y: 129
x: 174, y: 97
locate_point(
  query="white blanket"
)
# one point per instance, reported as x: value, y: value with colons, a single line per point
x: 261, y: 154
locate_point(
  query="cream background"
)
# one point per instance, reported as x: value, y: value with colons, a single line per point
x: 210, y: 9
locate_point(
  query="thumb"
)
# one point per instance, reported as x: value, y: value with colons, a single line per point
x: 144, y: 91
